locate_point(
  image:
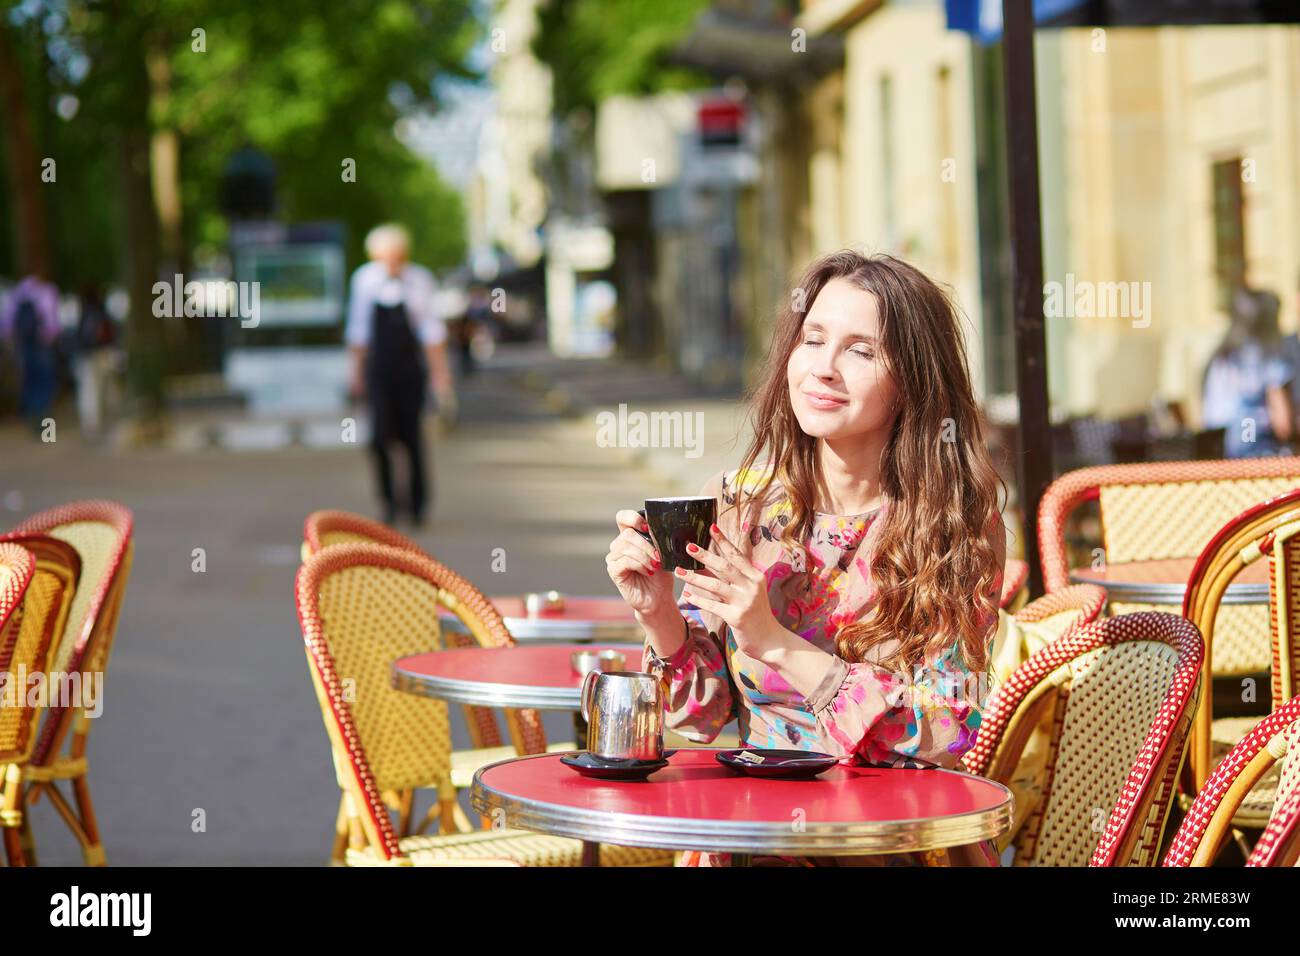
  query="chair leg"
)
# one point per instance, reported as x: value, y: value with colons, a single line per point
x: 462, y: 822
x: 93, y: 849
x: 28, y: 840
x: 12, y: 817
x: 1243, y: 845
x: 405, y: 809
x: 338, y: 853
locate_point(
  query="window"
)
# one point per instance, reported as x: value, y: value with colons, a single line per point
x: 1229, y: 229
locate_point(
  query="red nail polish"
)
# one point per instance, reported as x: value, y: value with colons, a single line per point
x: 715, y: 529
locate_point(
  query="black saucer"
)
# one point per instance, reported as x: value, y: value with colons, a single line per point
x: 783, y: 764
x: 607, y: 768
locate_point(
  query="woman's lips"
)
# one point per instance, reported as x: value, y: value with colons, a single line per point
x: 824, y: 402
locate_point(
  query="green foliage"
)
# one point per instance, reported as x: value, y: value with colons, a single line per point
x: 307, y: 83
x: 601, y: 48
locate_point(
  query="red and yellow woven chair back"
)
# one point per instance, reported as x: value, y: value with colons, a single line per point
x: 1158, y: 510
x: 1208, y: 822
x: 1279, y: 844
x: 25, y: 650
x: 1020, y: 637
x: 17, y: 567
x: 1119, y: 696
x: 101, y: 533
x: 1241, y: 541
x: 326, y: 528
x: 362, y: 606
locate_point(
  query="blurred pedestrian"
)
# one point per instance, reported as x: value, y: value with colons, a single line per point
x: 1246, y: 385
x: 396, y: 340
x: 29, y: 322
x: 96, y: 357
x: 477, y: 322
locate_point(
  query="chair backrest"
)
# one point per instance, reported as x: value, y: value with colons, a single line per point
x: 1209, y: 819
x: 361, y: 606
x: 1018, y: 638
x: 1119, y: 695
x: 101, y: 531
x: 1283, y: 547
x: 25, y: 649
x: 1242, y: 540
x: 1279, y: 844
x: 1029, y: 630
x: 17, y: 569
x: 1163, y: 510
x: 1014, y: 576
x: 326, y: 528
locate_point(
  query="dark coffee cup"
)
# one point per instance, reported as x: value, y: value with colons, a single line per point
x: 677, y: 522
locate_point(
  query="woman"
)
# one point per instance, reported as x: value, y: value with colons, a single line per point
x: 852, y: 584
x: 1245, y: 389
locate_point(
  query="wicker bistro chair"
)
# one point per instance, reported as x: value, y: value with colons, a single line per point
x: 1268, y: 527
x: 24, y: 650
x: 1018, y: 638
x: 101, y: 533
x: 17, y: 568
x: 361, y: 606
x: 1271, y: 744
x: 1165, y: 510
x: 1119, y: 695
x: 324, y: 529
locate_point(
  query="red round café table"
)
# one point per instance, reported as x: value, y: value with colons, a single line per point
x: 541, y: 677
x: 581, y: 619
x: 697, y: 804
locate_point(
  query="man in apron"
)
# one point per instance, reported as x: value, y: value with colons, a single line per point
x: 396, y: 339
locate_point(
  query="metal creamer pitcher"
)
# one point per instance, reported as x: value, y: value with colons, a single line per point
x: 624, y: 711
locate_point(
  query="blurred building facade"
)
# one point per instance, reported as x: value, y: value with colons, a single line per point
x: 1170, y: 169
x: 1171, y: 156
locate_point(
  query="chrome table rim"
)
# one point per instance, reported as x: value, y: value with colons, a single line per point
x: 1171, y: 594
x: 743, y: 836
x: 490, y: 694
x: 528, y: 630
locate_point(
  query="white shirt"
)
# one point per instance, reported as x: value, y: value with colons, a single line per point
x: 415, y: 288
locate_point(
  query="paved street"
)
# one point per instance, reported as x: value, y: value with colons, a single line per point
x: 209, y: 704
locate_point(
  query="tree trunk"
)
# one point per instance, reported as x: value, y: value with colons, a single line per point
x: 146, y: 352
x: 26, y: 191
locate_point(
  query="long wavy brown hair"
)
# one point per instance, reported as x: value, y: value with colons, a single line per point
x: 931, y: 562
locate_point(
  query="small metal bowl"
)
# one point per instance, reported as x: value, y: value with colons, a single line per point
x: 535, y: 602
x: 586, y: 661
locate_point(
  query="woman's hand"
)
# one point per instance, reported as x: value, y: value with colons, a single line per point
x: 736, y: 592
x: 635, y: 568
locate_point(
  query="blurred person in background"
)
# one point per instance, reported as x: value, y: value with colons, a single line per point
x: 96, y: 336
x: 396, y: 342
x: 29, y: 323
x: 477, y: 322
x: 1246, y: 385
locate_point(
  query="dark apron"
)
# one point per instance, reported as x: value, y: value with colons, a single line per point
x: 395, y: 367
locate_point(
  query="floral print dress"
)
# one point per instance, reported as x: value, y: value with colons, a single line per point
x: 860, y: 712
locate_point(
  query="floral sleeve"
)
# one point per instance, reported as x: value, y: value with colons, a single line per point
x: 700, y: 696
x: 883, y: 717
